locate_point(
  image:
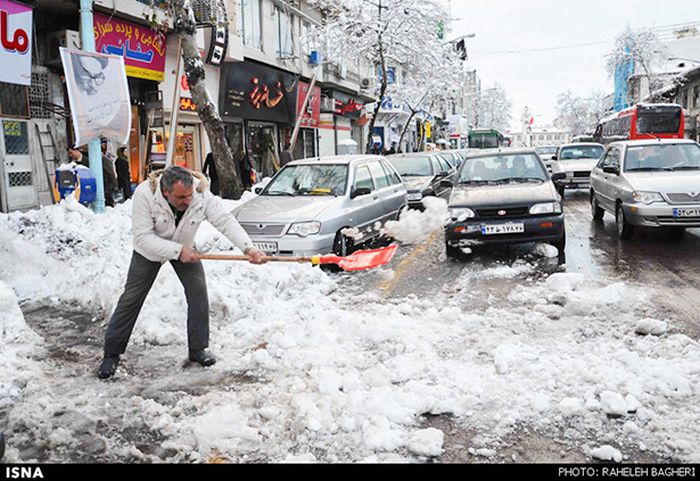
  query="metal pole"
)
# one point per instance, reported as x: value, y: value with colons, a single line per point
x: 175, y: 109
x: 293, y: 141
x: 94, y: 152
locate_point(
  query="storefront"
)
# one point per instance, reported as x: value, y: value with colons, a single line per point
x: 341, y: 119
x: 258, y: 104
x: 144, y: 52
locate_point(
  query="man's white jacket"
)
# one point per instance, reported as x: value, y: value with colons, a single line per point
x: 155, y: 235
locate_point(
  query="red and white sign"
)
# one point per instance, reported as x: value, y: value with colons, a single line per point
x: 15, y: 43
x: 312, y: 114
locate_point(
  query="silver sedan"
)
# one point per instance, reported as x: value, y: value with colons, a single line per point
x: 322, y: 205
x: 648, y: 183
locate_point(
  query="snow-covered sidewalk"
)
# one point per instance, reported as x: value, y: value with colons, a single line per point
x: 308, y: 372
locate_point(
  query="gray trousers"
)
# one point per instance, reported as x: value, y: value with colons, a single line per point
x: 139, y: 280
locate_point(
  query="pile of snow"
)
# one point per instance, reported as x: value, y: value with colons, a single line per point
x: 607, y: 453
x: 307, y: 372
x: 415, y: 226
x: 651, y: 326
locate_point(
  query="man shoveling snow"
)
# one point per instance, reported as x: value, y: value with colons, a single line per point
x: 167, y: 211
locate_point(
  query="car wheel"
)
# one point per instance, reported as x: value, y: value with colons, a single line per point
x: 454, y: 252
x: 596, y: 210
x: 560, y: 244
x: 624, y: 228
x: 342, y: 244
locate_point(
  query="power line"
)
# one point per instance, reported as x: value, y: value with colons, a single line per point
x: 544, y: 49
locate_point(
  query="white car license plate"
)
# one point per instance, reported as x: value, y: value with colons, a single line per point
x: 267, y: 247
x: 510, y: 228
x: 686, y: 212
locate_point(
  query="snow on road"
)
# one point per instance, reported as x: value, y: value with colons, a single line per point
x: 309, y: 373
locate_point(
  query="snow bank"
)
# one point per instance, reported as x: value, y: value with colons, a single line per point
x: 311, y: 372
x: 415, y: 226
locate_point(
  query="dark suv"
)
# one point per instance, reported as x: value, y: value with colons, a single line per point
x: 504, y: 197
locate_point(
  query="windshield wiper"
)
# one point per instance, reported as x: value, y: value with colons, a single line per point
x: 686, y: 167
x: 278, y: 192
x: 521, y: 179
x: 477, y: 181
x: 650, y: 169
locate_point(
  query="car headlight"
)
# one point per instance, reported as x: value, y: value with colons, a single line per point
x: 414, y: 196
x: 647, y: 197
x: 461, y: 213
x: 546, y: 208
x: 303, y: 229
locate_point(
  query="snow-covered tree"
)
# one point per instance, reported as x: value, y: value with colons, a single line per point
x: 640, y: 47
x: 490, y: 108
x: 580, y: 114
x: 385, y: 32
x: 184, y: 24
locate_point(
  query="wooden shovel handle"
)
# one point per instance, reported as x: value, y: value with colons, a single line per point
x: 231, y: 257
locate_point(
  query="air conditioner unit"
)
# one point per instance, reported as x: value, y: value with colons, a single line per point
x: 365, y: 83
x: 315, y: 57
x: 63, y: 38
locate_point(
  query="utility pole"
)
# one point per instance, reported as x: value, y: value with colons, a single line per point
x: 94, y: 152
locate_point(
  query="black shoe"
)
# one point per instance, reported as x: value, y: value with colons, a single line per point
x: 202, y: 357
x: 108, y: 367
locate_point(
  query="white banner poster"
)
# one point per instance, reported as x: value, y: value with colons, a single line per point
x: 15, y: 43
x: 99, y: 95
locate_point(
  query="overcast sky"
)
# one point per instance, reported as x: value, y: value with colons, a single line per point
x: 536, y: 78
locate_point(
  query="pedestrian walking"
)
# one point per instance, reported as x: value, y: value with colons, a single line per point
x: 109, y: 179
x: 287, y: 155
x: 123, y: 175
x: 167, y: 211
x: 210, y: 171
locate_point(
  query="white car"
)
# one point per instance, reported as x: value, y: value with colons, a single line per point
x: 576, y: 161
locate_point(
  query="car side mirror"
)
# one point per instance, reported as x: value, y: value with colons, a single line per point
x: 558, y: 176
x: 358, y: 191
x: 610, y: 169
x: 257, y: 190
x: 445, y: 183
x: 554, y: 157
x: 442, y: 174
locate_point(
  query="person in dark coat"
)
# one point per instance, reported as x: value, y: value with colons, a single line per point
x: 287, y: 155
x: 123, y: 175
x: 109, y: 180
x: 210, y: 171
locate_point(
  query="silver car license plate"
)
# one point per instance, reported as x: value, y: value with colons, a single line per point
x: 510, y: 228
x: 686, y: 212
x: 267, y: 247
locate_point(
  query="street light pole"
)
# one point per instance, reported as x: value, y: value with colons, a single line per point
x: 94, y: 152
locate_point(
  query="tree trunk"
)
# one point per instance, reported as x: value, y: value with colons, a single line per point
x: 382, y: 91
x: 405, y: 127
x: 226, y: 168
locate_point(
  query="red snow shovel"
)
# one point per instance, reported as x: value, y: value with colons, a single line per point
x: 356, y: 261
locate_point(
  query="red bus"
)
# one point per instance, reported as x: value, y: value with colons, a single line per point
x: 643, y: 121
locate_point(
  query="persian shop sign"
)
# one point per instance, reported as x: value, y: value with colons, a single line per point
x: 15, y: 43
x: 143, y: 49
x: 255, y: 92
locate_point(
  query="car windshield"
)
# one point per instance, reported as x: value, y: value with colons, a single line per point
x: 668, y: 157
x: 302, y: 180
x: 503, y: 169
x: 583, y: 152
x: 483, y: 141
x: 546, y: 150
x: 412, y: 166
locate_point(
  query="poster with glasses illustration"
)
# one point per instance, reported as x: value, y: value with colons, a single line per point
x: 99, y: 96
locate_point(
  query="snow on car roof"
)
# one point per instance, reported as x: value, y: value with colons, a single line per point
x: 630, y: 143
x: 334, y: 159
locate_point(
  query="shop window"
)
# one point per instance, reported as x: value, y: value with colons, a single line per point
x: 251, y: 21
x: 285, y: 33
x: 14, y: 100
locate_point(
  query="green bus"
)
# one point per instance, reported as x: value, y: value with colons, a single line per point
x: 485, y: 139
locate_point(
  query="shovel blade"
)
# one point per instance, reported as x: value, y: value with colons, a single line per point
x: 360, y: 260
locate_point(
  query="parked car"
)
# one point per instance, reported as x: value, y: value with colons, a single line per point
x: 576, y: 161
x: 648, y: 183
x: 422, y: 173
x: 547, y: 153
x: 452, y: 157
x: 312, y: 206
x: 504, y: 197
